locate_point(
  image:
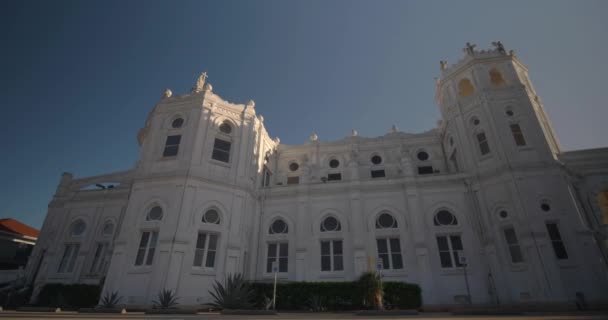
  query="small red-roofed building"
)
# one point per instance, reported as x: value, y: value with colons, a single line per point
x: 16, y: 243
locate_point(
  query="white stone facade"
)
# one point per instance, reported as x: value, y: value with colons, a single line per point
x: 489, y: 184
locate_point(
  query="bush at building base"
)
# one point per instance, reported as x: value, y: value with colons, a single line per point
x: 69, y: 295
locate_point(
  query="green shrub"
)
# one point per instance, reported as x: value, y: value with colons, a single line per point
x: 69, y: 295
x: 333, y: 295
x: 370, y: 284
x: 166, y: 299
x: 402, y: 295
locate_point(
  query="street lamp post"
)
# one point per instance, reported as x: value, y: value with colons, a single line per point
x: 463, y: 262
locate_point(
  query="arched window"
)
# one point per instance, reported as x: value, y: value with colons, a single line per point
x: 465, y: 88
x: 386, y: 221
x: 177, y: 123
x: 445, y: 218
x: 330, y: 224
x: 155, y: 214
x: 77, y: 228
x: 225, y: 127
x: 277, y: 254
x: 388, y: 242
x: 108, y: 229
x: 496, y: 78
x: 482, y: 141
x: 278, y: 227
x: 211, y: 216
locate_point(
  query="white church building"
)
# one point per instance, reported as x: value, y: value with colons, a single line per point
x: 213, y: 193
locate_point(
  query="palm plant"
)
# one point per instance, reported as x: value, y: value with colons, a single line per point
x: 166, y: 299
x: 110, y: 300
x: 371, y: 286
x: 234, y: 293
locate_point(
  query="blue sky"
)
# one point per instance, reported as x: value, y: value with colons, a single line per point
x: 77, y: 78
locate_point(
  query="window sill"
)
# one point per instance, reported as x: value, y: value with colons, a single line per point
x: 220, y: 163
x: 331, y: 274
x: 203, y: 271
x: 280, y: 275
x: 453, y: 271
x: 140, y: 269
x: 389, y: 273
x: 168, y: 158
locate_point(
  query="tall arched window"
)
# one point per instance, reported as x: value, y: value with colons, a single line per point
x: 496, y: 78
x: 388, y: 242
x: 482, y: 142
x: 277, y: 254
x: 72, y: 247
x: 207, y: 240
x: 331, y: 249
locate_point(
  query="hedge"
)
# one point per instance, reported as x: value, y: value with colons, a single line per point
x: 69, y: 295
x: 318, y: 296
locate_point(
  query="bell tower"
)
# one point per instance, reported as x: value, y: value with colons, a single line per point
x: 492, y: 114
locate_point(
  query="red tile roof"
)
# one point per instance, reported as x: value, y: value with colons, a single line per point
x: 14, y: 226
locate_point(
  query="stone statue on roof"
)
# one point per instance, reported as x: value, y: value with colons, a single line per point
x: 470, y: 48
x: 499, y: 47
x: 200, y: 82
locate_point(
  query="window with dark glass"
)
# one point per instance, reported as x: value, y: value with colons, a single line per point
x: 68, y: 260
x: 266, y: 175
x: 99, y: 259
x: 206, y: 246
x: 177, y: 123
x: 389, y: 253
x: 518, y: 136
x: 556, y: 240
x: 278, y: 252
x: 422, y: 156
x: 450, y: 248
x: 378, y: 173
x: 513, y: 244
x: 334, y: 176
x: 331, y: 255
x: 221, y: 150
x: 147, y: 246
x: 376, y: 159
x: 333, y: 163
x: 425, y: 170
x: 172, y: 146
x: 445, y: 218
x: 293, y: 180
x: 484, y: 146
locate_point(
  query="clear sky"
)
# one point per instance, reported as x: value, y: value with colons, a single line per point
x: 78, y: 78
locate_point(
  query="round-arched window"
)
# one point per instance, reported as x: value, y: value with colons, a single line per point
x: 445, y: 218
x: 475, y: 121
x: 386, y: 221
x: 78, y: 228
x: 155, y: 213
x: 422, y: 156
x: 496, y: 77
x: 294, y: 166
x: 545, y: 206
x: 225, y: 128
x: 211, y: 216
x: 465, y: 88
x: 277, y: 227
x: 333, y: 163
x: 331, y: 224
x: 376, y: 159
x: 108, y: 229
x: 177, y: 123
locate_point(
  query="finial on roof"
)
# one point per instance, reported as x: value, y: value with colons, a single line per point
x: 354, y: 133
x: 200, y: 82
x: 470, y: 48
x: 443, y: 65
x: 393, y: 129
x: 314, y: 137
x: 499, y: 47
x: 167, y: 94
x: 251, y: 104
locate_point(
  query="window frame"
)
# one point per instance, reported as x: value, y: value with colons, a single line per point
x: 277, y: 257
x: 390, y: 253
x: 146, y: 256
x: 480, y: 143
x: 205, y: 250
x: 518, y: 133
x: 332, y: 255
x: 99, y: 261
x: 516, y: 245
x: 226, y: 152
x: 558, y: 241
x: 453, y: 253
x: 67, y: 263
x: 174, y: 145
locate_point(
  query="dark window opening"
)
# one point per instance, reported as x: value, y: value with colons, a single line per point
x: 221, y: 151
x: 172, y: 146
x: 334, y: 163
x: 293, y: 180
x: 376, y: 159
x: 334, y: 176
x: 425, y: 170
x: 556, y: 240
x: 378, y: 173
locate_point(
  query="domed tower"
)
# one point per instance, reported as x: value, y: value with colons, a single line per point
x: 492, y: 115
x: 193, y: 206
x: 496, y: 134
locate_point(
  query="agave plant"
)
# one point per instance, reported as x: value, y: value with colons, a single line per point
x: 110, y: 300
x: 166, y: 299
x: 371, y: 286
x: 234, y: 293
